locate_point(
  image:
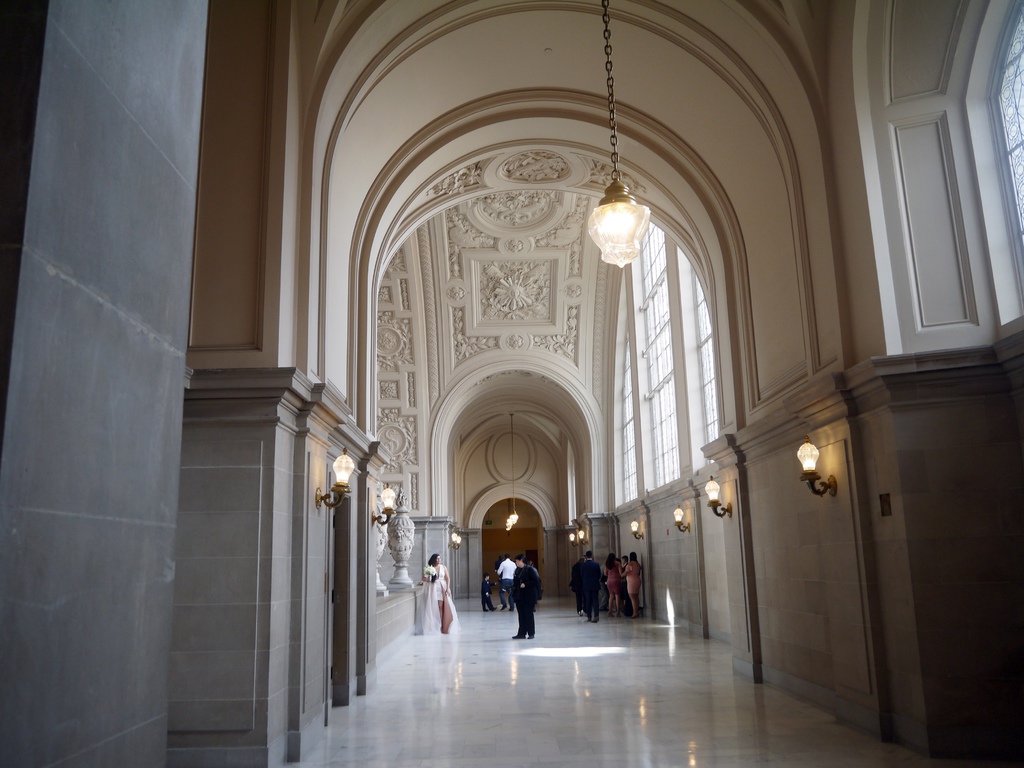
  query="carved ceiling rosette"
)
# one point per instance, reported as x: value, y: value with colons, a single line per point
x: 515, y: 290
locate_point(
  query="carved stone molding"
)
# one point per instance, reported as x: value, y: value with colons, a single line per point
x: 516, y: 290
x: 423, y: 246
x: 563, y: 344
x: 600, y: 321
x: 535, y: 167
x: 519, y: 209
x: 462, y: 233
x: 567, y: 234
x: 467, y: 346
x: 456, y: 183
x: 398, y: 433
x: 394, y: 341
x: 601, y: 176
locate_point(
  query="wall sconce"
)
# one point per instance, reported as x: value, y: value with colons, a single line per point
x: 579, y: 536
x: 712, y: 489
x: 387, y: 496
x: 680, y: 515
x: 808, y: 456
x: 456, y: 541
x: 343, y: 468
x: 635, y: 528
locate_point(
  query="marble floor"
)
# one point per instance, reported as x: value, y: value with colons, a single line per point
x: 619, y: 693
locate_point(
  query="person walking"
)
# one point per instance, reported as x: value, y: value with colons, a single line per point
x: 439, y: 616
x: 526, y: 592
x: 485, y: 593
x: 506, y: 574
x: 591, y: 574
x: 576, y: 585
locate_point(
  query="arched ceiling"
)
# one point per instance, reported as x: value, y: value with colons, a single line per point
x: 472, y: 135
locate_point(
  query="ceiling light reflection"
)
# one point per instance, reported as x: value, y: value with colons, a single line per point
x: 572, y: 653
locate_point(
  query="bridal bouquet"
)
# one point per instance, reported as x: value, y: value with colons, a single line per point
x: 430, y: 571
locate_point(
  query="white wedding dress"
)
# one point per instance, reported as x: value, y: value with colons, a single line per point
x: 430, y: 615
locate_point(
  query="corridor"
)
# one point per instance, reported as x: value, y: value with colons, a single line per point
x: 619, y: 694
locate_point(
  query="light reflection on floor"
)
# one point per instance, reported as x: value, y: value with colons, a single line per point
x: 617, y: 694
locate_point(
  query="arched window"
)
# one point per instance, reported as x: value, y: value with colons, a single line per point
x: 628, y: 433
x: 1011, y: 107
x: 658, y: 353
x: 706, y: 358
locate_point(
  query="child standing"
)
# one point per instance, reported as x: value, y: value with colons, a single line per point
x: 485, y: 594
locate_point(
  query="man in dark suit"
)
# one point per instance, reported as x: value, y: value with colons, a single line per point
x: 526, y: 591
x: 590, y: 571
x: 576, y: 585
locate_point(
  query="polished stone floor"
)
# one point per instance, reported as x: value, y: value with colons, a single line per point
x: 619, y: 693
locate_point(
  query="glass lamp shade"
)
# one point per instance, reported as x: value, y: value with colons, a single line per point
x: 712, y: 489
x: 678, y: 514
x: 808, y: 455
x: 343, y: 467
x: 572, y: 538
x: 634, y: 526
x: 513, y: 518
x: 388, y: 497
x: 618, y: 225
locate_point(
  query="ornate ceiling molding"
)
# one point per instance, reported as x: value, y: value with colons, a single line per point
x: 462, y: 180
x: 535, y: 167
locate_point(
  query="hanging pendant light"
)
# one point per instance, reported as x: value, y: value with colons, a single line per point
x: 619, y: 222
x: 513, y: 518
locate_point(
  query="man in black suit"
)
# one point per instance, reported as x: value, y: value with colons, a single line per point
x: 590, y: 571
x: 576, y: 585
x: 526, y: 591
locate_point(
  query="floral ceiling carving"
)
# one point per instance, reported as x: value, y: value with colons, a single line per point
x: 516, y: 290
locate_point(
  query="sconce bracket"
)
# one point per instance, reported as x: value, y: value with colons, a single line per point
x: 382, y: 519
x: 684, y: 527
x: 719, y: 509
x: 829, y: 486
x: 333, y: 497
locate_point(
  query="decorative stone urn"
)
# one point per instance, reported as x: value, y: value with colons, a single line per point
x: 401, y: 533
x: 382, y: 544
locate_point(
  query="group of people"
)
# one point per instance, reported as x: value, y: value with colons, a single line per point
x: 620, y: 579
x: 520, y: 589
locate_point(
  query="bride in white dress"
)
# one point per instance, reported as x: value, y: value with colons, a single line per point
x: 439, y: 615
